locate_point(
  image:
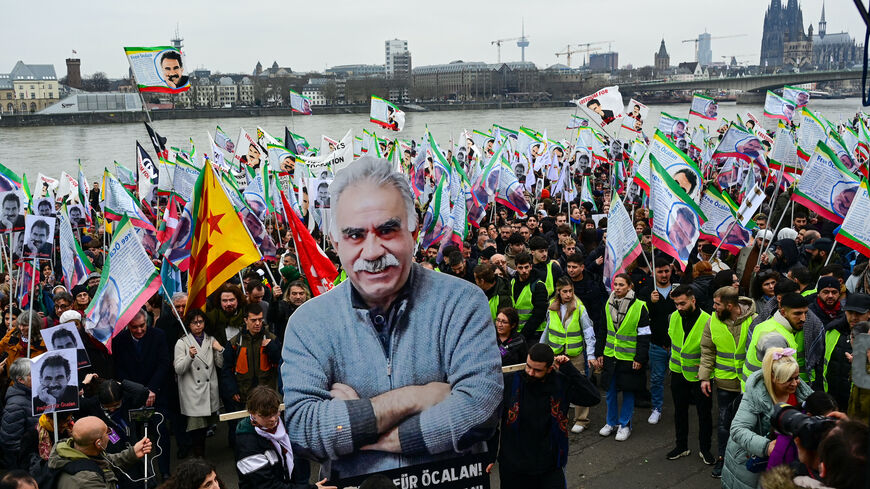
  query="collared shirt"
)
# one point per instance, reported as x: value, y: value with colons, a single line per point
x: 384, y: 321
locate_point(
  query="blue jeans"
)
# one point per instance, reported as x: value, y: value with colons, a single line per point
x: 624, y: 416
x: 658, y: 367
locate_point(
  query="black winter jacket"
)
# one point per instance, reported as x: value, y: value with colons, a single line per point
x: 16, y: 420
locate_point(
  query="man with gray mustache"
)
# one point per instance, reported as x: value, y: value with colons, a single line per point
x: 398, y: 365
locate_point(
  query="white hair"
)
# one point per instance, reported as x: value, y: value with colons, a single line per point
x: 378, y: 172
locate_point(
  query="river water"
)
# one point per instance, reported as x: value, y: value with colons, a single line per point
x: 52, y: 149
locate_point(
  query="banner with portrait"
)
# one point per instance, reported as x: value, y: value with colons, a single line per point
x: 800, y: 96
x: 721, y: 225
x: 120, y: 203
x: 604, y: 106
x: 129, y: 278
x: 704, y: 107
x: 783, y: 155
x: 74, y: 262
x: 66, y: 336
x: 776, y: 107
x: 676, y: 219
x: 673, y: 127
x: 158, y: 69
x: 635, y: 115
x: 811, y: 132
x: 826, y: 186
x: 676, y: 162
x: 300, y: 103
x: 623, y: 247
x: 45, y: 186
x: 385, y: 114
x: 855, y: 230
x: 739, y: 142
x: 328, y: 165
x: 55, y: 382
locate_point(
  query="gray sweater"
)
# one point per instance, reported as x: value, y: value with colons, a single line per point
x: 443, y: 333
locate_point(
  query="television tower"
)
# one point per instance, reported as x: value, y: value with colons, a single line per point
x: 523, y: 43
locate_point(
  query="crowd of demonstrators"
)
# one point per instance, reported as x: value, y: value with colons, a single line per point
x: 747, y: 329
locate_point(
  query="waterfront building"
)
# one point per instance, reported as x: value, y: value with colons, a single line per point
x: 397, y: 59
x: 34, y: 87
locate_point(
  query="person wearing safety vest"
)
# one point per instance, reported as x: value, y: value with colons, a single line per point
x: 837, y: 370
x: 784, y: 329
x: 569, y: 332
x: 548, y: 271
x: 686, y: 326
x: 529, y: 297
x: 626, y: 354
x: 804, y: 279
x: 496, y: 289
x: 723, y: 350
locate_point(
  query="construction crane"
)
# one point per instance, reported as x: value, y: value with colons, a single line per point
x: 698, y: 40
x: 520, y: 40
x: 589, y: 49
x: 568, y: 52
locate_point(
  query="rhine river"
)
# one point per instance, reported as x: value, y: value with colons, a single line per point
x: 52, y: 149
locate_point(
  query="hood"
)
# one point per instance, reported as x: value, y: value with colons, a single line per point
x: 747, y: 308
x: 63, y: 453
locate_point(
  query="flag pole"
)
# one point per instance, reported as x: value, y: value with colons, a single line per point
x: 733, y: 223
x: 174, y: 310
x: 54, y: 419
x: 30, y: 316
x: 830, y: 252
x: 775, y: 231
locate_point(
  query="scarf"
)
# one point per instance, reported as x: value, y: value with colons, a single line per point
x: 279, y: 440
x: 45, y: 433
x: 619, y: 307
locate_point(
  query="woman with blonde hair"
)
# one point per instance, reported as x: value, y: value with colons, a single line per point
x: 749, y: 445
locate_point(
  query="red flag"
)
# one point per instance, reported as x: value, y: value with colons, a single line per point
x: 318, y: 269
x: 166, y: 228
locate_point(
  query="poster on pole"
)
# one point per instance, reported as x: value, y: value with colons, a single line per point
x: 66, y: 336
x: 128, y: 280
x: 158, y: 69
x: 55, y: 382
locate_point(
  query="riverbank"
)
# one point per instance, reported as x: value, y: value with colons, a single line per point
x: 86, y: 118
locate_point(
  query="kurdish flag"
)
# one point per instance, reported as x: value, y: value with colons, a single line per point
x: 436, y: 221
x: 826, y: 186
x: 676, y: 218
x: 221, y: 245
x: 855, y: 231
x: 385, y: 114
x: 158, y: 69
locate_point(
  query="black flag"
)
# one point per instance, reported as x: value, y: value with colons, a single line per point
x: 158, y: 142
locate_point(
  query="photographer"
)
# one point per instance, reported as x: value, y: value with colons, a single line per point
x: 833, y: 450
x: 749, y: 445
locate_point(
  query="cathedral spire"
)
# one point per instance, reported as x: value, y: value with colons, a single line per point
x: 822, y: 24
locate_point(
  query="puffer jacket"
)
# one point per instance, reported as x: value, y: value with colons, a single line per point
x: 708, y: 348
x: 16, y: 420
x: 63, y: 453
x: 749, y: 431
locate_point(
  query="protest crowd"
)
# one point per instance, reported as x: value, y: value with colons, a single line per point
x: 715, y: 259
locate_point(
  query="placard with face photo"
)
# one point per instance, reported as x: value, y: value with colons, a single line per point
x: 38, y: 237
x: 12, y: 209
x: 64, y: 336
x: 77, y: 216
x: 320, y: 190
x: 44, y: 207
x: 55, y: 382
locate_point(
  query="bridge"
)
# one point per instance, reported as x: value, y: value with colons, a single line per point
x: 755, y: 83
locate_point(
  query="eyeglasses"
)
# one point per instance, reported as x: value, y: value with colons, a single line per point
x: 197, y: 321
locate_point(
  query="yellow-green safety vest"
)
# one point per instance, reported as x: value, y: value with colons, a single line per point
x: 342, y: 276
x: 753, y: 363
x: 549, y: 283
x: 832, y: 337
x: 567, y: 339
x: 730, y: 356
x: 523, y: 304
x: 686, y: 350
x: 622, y: 343
x: 808, y: 292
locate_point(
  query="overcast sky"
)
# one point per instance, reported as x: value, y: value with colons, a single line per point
x: 230, y: 37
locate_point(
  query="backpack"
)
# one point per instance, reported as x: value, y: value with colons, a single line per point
x: 49, y: 478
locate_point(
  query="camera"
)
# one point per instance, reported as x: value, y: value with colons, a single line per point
x: 789, y: 420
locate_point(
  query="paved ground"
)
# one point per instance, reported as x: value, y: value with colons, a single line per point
x: 594, y: 461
